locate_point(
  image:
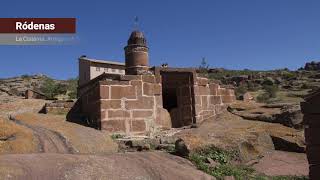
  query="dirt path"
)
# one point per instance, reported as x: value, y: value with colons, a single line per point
x: 49, y: 141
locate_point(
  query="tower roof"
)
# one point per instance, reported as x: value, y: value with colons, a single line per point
x: 137, y: 38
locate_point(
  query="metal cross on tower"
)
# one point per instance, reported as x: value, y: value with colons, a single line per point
x: 136, y: 23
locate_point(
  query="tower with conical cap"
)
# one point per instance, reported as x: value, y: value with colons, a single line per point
x: 136, y: 54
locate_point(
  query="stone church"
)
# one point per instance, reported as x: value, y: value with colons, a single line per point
x: 144, y: 99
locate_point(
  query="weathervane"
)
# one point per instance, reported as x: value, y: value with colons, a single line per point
x: 135, y: 24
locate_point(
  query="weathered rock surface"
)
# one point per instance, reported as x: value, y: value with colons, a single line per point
x: 290, y: 116
x: 280, y: 163
x: 30, y: 132
x: 152, y: 165
x: 55, y: 135
x: 287, y: 114
x: 20, y: 105
x: 252, y: 139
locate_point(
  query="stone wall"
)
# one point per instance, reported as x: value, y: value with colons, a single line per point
x: 131, y: 104
x: 311, y: 111
x: 58, y: 107
x: 210, y: 99
x: 31, y: 94
x: 138, y: 104
x: 90, y: 104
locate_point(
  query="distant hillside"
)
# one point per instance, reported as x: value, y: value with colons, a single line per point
x: 16, y: 86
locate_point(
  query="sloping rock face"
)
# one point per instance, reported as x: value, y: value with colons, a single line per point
x: 279, y: 163
x: 153, y: 165
x: 55, y: 135
x: 252, y: 139
x: 30, y: 132
x: 20, y: 105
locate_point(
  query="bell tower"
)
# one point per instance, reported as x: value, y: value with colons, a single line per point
x: 136, y: 54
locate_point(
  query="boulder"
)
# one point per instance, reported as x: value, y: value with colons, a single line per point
x: 163, y: 118
x: 188, y: 143
x: 290, y: 116
x: 252, y: 139
x: 255, y: 146
x: 246, y: 97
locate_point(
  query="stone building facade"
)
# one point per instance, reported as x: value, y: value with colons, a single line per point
x: 92, y: 68
x: 145, y: 99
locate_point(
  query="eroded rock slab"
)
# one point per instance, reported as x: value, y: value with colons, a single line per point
x: 152, y: 165
x: 251, y: 138
x: 280, y: 163
x: 59, y: 136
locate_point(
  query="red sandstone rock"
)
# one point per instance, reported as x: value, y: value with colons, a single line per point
x: 126, y: 166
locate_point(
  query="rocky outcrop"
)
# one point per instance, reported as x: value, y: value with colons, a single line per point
x: 153, y: 165
x: 287, y: 114
x: 312, y: 66
x: 56, y: 135
x: 279, y: 163
x: 290, y: 116
x: 252, y: 139
x: 17, y: 86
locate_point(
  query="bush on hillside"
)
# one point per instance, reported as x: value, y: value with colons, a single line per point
x: 240, y: 90
x: 270, y: 92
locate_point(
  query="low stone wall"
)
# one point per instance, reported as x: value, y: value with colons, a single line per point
x: 58, y: 107
x: 31, y: 94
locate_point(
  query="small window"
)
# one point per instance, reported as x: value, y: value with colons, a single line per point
x: 97, y: 69
x: 113, y: 70
x: 105, y: 69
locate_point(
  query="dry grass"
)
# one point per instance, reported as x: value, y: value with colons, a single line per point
x: 16, y: 139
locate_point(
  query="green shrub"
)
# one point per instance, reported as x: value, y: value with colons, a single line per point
x: 72, y: 88
x: 26, y: 77
x: 240, y: 90
x: 50, y: 88
x: 270, y: 92
x: 116, y: 136
x: 226, y: 168
x: 288, y: 75
x: 268, y: 82
x: 252, y: 86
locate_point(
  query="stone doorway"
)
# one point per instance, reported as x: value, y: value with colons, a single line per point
x: 178, y: 97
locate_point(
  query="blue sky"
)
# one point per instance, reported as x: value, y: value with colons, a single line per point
x: 234, y: 34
